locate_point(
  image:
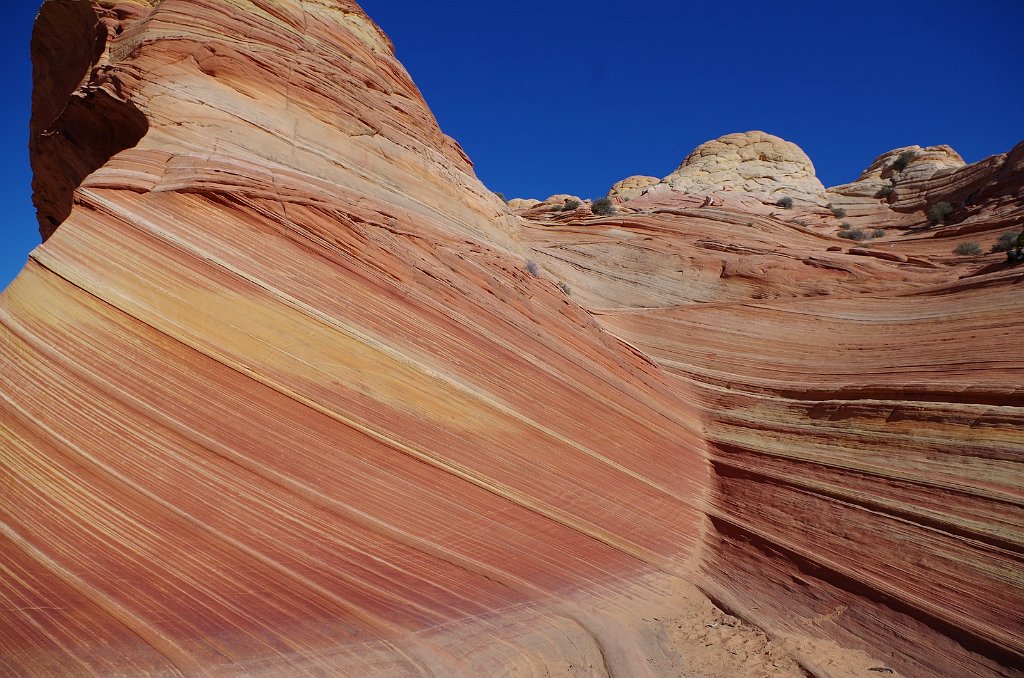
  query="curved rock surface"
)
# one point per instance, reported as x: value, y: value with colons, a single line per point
x: 520, y: 204
x: 287, y: 390
x: 910, y: 163
x: 632, y: 187
x: 755, y: 164
x: 982, y: 197
x: 863, y: 413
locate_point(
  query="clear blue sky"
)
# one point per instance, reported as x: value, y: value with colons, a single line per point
x: 569, y: 96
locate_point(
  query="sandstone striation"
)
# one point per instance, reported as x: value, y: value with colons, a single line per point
x: 287, y: 390
x: 910, y: 163
x: 983, y: 196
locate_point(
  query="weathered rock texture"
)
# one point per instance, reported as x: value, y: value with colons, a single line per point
x: 631, y: 187
x: 754, y: 164
x: 888, y: 169
x: 282, y: 395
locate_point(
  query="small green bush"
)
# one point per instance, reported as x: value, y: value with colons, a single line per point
x: 839, y: 212
x: 903, y: 159
x: 845, y: 225
x: 602, y: 206
x: 1006, y: 242
x: 966, y: 248
x: 570, y: 205
x: 565, y: 288
x: 878, y: 233
x: 533, y: 268
x: 785, y: 203
x: 501, y: 196
x: 884, y: 191
x: 939, y: 212
x: 854, y: 234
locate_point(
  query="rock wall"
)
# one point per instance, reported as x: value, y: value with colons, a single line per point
x: 861, y: 402
x: 279, y: 394
x: 288, y: 390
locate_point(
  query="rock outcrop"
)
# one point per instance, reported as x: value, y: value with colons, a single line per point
x: 519, y: 204
x: 753, y: 164
x: 907, y: 164
x: 982, y: 196
x: 632, y: 187
x: 287, y: 390
x: 280, y: 394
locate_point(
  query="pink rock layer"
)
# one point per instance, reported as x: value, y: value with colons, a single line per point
x: 287, y: 390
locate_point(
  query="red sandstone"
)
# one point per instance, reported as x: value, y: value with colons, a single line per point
x: 279, y: 394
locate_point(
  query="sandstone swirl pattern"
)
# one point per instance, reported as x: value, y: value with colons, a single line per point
x: 280, y: 396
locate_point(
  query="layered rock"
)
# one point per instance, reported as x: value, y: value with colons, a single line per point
x: 910, y: 163
x: 287, y: 390
x: 982, y: 196
x: 279, y: 394
x: 133, y: 83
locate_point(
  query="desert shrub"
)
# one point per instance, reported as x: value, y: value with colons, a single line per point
x: 602, y: 206
x: 570, y: 205
x: 903, y: 159
x: 839, y: 212
x: 878, y: 233
x: 1006, y: 242
x: 533, y: 268
x: 939, y: 212
x: 884, y: 191
x: 785, y: 203
x: 845, y: 225
x: 966, y: 248
x: 855, y: 234
x: 565, y: 288
x: 501, y: 196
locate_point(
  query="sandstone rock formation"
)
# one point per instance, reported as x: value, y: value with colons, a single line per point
x: 632, y: 187
x: 287, y: 390
x: 559, y: 200
x: 984, y: 196
x: 750, y: 163
x: 518, y: 204
x: 753, y: 163
x: 907, y: 164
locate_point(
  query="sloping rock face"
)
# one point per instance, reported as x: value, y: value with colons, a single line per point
x: 981, y: 197
x: 252, y: 108
x: 286, y: 390
x: 910, y: 163
x: 863, y: 413
x: 279, y: 395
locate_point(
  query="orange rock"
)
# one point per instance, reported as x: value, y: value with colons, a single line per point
x: 288, y: 390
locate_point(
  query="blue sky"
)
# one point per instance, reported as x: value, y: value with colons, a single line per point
x: 573, y: 95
